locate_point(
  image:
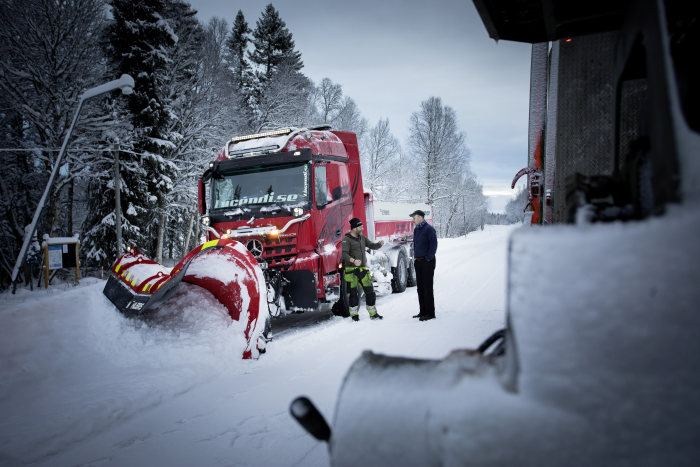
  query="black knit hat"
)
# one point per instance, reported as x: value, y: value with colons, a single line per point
x: 355, y: 222
x: 417, y: 212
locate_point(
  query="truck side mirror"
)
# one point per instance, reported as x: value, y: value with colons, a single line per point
x: 321, y: 186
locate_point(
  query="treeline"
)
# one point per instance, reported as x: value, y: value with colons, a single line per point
x: 196, y: 86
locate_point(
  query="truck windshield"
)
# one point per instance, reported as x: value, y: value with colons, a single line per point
x: 265, y: 189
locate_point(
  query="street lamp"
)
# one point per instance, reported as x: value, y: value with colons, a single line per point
x: 126, y: 84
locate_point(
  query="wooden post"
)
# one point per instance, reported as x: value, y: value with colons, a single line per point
x: 77, y: 264
x: 46, y: 265
x: 117, y: 200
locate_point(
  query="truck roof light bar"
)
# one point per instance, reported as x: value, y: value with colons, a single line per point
x: 264, y: 134
x: 253, y: 151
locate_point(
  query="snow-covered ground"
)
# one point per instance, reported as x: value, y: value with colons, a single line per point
x: 82, y: 385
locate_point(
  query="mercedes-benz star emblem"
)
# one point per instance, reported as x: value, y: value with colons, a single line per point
x: 255, y: 247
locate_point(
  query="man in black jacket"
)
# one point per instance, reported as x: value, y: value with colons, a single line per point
x: 424, y: 249
x: 356, y: 272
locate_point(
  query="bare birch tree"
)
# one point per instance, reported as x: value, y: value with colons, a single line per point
x: 438, y: 146
x: 441, y: 156
x: 329, y: 99
x: 380, y: 159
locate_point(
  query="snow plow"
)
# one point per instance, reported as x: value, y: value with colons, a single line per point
x: 223, y: 267
x: 275, y: 206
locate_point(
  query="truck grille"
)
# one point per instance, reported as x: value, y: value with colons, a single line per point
x: 278, y: 250
x: 280, y: 255
x: 282, y: 262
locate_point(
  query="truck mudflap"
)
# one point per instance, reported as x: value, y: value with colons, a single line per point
x: 299, y: 290
x: 223, y: 267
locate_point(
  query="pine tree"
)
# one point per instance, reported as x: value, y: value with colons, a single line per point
x: 139, y: 39
x: 273, y: 45
x: 237, y: 46
x: 281, y: 94
x: 241, y: 72
x: 99, y: 245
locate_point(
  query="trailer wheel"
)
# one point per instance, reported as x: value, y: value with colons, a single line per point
x: 400, y: 273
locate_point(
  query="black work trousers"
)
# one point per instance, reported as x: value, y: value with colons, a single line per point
x: 425, y: 270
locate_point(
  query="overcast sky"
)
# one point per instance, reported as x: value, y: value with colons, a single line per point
x: 391, y: 55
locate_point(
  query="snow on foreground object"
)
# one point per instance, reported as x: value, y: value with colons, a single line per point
x: 79, y: 383
x: 601, y: 364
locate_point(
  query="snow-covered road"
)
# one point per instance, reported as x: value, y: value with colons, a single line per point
x: 82, y: 385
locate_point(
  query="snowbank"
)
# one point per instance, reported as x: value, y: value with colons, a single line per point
x: 81, y: 384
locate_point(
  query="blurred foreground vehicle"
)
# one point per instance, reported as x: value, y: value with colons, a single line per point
x: 598, y: 363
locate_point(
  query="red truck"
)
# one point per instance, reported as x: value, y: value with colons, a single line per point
x: 277, y: 204
x: 288, y: 195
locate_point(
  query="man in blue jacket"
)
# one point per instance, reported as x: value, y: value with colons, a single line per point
x: 424, y: 249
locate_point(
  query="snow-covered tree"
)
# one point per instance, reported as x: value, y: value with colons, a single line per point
x: 349, y: 118
x: 222, y: 109
x: 329, y: 99
x: 50, y: 53
x: 139, y: 38
x: 182, y: 97
x: 242, y: 77
x: 380, y: 157
x: 273, y: 45
x: 442, y: 159
x: 237, y: 48
x: 281, y: 95
x: 284, y: 99
x: 466, y: 210
x: 107, y: 195
x: 516, y: 206
x: 439, y: 148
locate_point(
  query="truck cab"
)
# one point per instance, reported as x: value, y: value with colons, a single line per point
x: 288, y: 195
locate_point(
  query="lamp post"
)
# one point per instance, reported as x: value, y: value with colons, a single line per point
x: 126, y: 84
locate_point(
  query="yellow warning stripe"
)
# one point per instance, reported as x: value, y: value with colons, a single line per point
x: 117, y: 268
x: 209, y: 244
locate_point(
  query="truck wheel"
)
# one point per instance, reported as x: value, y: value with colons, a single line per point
x: 400, y: 273
x: 411, y: 279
